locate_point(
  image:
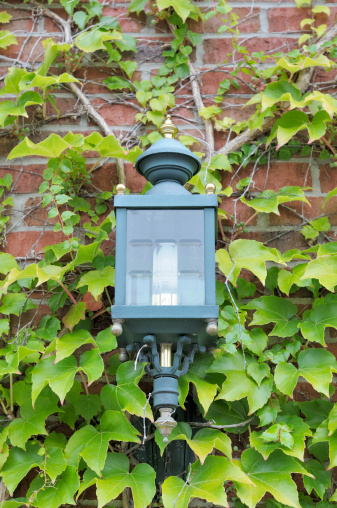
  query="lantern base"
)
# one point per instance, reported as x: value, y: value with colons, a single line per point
x: 165, y: 392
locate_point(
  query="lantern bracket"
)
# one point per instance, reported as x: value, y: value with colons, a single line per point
x: 181, y: 361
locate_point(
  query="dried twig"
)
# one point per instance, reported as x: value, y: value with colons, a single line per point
x: 211, y: 425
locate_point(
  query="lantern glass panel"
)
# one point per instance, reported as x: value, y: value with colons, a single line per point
x: 165, y: 260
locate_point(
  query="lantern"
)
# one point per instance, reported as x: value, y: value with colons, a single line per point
x: 165, y: 305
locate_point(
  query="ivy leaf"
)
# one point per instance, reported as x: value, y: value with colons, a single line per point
x: 32, y: 420
x: 7, y: 263
x: 315, y: 365
x: 320, y: 317
x: 87, y: 406
x: 19, y: 463
x: 68, y: 343
x: 224, y: 413
x: 258, y: 371
x: 106, y: 341
x: 324, y: 269
x: 203, y: 443
x: 14, y: 303
x: 272, y: 475
x: 48, y: 328
x: 268, y: 201
x: 332, y: 420
x: 93, y: 40
x: 117, y: 83
x: 127, y: 396
x: 4, y: 326
x: 285, y: 377
x: 206, y: 482
x: 299, y: 431
x: 92, y: 364
x: 5, y: 17
x: 137, y: 5
x: 60, y: 377
x: 320, y: 481
x: 273, y: 309
x: 60, y: 493
x: 116, y: 477
x: 97, y: 280
x: 7, y: 39
x: 52, y: 146
x: 316, y: 411
x: 92, y: 444
x: 196, y: 374
x: 323, y: 435
x: 238, y: 385
x: 55, y: 463
x: 74, y: 315
x: 182, y: 7
x: 247, y: 254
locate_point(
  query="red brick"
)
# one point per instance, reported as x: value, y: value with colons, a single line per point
x: 37, y: 216
x: 105, y: 178
x: 30, y: 178
x: 322, y: 76
x: 286, y: 19
x: 130, y: 23
x: 21, y: 20
x: 211, y: 79
x: 212, y: 25
x: 116, y: 114
x: 243, y: 212
x: 65, y: 105
x: 32, y: 316
x: 93, y: 77
x: 33, y: 49
x: 151, y: 49
x: 281, y: 174
x: 183, y: 111
x: 218, y: 50
x: 20, y: 244
x: 328, y: 177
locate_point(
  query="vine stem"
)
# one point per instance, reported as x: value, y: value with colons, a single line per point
x: 328, y: 145
x: 84, y: 382
x: 199, y: 103
x: 11, y: 391
x: 68, y: 292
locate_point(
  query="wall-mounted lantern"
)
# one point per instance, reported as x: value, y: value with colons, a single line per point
x: 165, y: 270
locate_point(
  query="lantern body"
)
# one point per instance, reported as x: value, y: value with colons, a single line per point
x: 165, y: 264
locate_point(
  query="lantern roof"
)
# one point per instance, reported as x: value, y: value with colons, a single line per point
x: 168, y: 160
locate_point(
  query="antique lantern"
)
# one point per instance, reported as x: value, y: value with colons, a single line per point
x: 165, y: 305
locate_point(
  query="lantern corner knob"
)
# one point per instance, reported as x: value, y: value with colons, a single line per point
x: 123, y: 355
x: 168, y: 129
x: 212, y: 328
x: 210, y: 188
x: 120, y: 188
x: 117, y: 328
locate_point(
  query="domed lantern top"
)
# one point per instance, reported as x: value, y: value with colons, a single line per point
x: 168, y: 160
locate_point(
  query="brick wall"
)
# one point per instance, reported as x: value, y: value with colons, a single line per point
x: 268, y: 26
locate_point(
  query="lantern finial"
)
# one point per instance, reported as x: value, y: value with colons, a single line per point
x: 168, y: 129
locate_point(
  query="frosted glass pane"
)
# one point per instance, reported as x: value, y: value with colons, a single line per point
x: 165, y: 257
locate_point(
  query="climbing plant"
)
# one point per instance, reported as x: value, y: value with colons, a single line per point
x: 257, y: 439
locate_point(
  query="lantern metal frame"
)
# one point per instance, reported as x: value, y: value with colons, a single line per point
x: 180, y: 329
